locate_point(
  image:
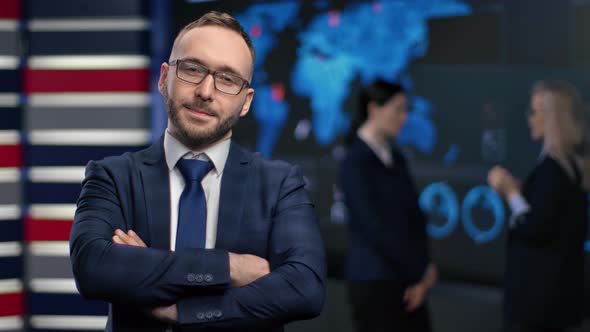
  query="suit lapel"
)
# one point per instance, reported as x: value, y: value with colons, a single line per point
x: 156, y: 188
x: 233, y: 194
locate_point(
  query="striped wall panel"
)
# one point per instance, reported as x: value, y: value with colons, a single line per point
x: 86, y: 84
x: 12, y: 297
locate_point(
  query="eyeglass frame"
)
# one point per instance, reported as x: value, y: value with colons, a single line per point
x: 245, y: 83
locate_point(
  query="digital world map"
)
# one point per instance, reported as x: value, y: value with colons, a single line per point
x: 368, y: 40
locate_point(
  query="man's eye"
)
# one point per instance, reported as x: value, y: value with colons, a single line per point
x: 227, y: 79
x: 193, y: 70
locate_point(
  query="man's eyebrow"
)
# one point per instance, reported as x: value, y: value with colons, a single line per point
x: 224, y: 68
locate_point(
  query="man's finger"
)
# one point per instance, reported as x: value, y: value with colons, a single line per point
x: 117, y: 240
x: 136, y: 238
x: 126, y: 238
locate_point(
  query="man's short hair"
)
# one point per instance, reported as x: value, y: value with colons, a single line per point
x: 223, y: 20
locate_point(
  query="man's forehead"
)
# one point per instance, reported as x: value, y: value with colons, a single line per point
x: 215, y: 46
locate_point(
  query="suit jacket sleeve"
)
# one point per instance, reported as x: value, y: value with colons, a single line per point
x: 295, y: 287
x: 543, y: 192
x: 118, y: 273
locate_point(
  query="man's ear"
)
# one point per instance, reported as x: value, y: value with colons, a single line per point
x: 247, y: 102
x: 163, y: 75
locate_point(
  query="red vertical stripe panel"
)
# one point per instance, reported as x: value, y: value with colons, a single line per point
x: 11, y: 156
x: 47, y: 230
x: 10, y: 9
x: 86, y: 80
x: 12, y: 304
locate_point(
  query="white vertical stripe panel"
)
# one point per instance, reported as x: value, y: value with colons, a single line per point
x: 65, y: 174
x: 68, y: 322
x: 53, y: 285
x: 9, y: 62
x: 8, y: 25
x: 52, y: 211
x: 9, y: 137
x: 89, y: 62
x: 11, y: 249
x: 112, y: 137
x: 8, y: 286
x: 50, y: 248
x: 9, y: 174
x: 9, y: 212
x: 66, y: 24
x: 106, y: 99
x: 9, y: 99
x: 11, y: 323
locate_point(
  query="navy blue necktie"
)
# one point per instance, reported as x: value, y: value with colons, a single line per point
x: 192, y: 208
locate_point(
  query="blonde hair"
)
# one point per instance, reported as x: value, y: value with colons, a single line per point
x: 565, y: 127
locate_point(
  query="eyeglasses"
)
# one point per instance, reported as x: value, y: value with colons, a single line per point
x: 193, y: 72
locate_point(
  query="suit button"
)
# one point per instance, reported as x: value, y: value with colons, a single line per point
x: 200, y: 315
x: 209, y: 315
x: 208, y: 277
x: 217, y: 313
x: 199, y: 278
x: 190, y: 277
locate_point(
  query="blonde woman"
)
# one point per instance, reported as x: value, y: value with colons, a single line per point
x: 545, y: 254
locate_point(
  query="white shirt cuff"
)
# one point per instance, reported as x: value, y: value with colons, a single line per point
x: 519, y: 206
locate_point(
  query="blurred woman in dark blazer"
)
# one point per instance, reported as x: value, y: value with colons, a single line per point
x: 389, y: 269
x: 545, y: 255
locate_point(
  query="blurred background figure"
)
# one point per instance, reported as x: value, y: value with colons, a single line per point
x: 545, y: 254
x: 389, y: 269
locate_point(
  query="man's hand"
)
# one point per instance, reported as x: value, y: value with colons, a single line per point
x: 130, y: 238
x: 169, y: 313
x: 244, y: 269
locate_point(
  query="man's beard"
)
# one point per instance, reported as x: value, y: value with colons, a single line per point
x: 198, y: 138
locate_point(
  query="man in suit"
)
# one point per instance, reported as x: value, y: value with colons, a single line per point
x: 235, y: 247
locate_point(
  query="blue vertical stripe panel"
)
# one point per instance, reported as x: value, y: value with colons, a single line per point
x: 11, y: 118
x: 161, y: 43
x: 10, y: 80
x: 89, y: 42
x: 64, y: 304
x: 11, y: 267
x: 48, y: 193
x: 46, y: 155
x: 11, y: 230
x: 85, y: 8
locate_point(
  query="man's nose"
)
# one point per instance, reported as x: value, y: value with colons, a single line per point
x: 205, y: 89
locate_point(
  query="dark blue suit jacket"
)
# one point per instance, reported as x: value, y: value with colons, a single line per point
x: 387, y: 228
x: 545, y: 256
x: 264, y: 210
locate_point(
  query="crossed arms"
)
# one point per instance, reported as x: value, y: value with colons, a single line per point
x: 287, y: 285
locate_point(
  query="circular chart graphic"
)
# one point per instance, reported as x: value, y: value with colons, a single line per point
x: 440, y: 203
x: 481, y: 202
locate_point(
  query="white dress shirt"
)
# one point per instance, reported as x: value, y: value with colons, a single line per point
x: 382, y: 152
x: 217, y: 154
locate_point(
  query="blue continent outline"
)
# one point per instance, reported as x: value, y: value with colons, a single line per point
x: 336, y: 47
x: 264, y: 22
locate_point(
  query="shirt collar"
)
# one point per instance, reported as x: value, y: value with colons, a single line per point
x: 174, y: 150
x: 382, y: 152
